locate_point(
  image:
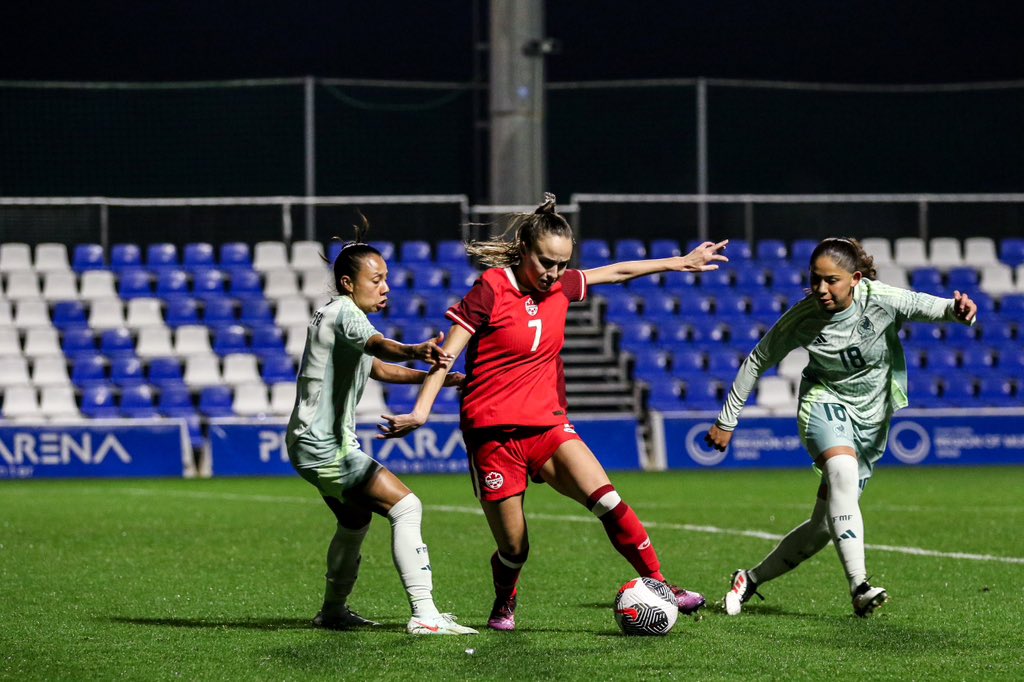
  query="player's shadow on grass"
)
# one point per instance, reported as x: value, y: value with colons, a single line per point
x: 247, y: 624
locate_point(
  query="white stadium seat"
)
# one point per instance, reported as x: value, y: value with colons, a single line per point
x: 144, y: 312
x: 51, y: 257
x: 980, y: 252
x: 292, y: 310
x: 909, y: 253
x: 32, y: 312
x: 776, y: 393
x: 97, y: 284
x: 250, y: 400
x: 58, y: 403
x: 280, y: 283
x: 22, y: 284
x: 192, y: 339
x: 878, y: 248
x: 10, y: 342
x: 41, y: 341
x: 307, y: 255
x: 21, y: 403
x: 892, y: 274
x: 295, y: 341
x: 154, y: 342
x: 372, y: 404
x: 282, y: 398
x: 50, y: 370
x: 945, y: 253
x: 5, y: 313
x: 15, y: 257
x: 240, y: 369
x: 997, y: 279
x: 269, y: 256
x: 316, y: 282
x: 60, y: 285
x: 202, y: 371
x: 792, y: 366
x: 13, y: 371
x: 106, y: 313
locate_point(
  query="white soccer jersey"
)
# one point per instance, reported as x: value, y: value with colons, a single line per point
x: 331, y: 378
x: 855, y: 355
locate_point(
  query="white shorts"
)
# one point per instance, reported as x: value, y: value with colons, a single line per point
x: 828, y: 425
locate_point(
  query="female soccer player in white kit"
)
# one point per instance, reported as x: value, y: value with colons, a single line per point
x: 855, y: 380
x: 342, y: 350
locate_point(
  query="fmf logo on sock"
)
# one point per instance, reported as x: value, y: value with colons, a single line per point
x: 494, y: 480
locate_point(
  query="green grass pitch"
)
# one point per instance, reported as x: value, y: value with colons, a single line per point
x: 217, y: 579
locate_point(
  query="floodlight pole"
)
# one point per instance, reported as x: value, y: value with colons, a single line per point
x: 702, y: 157
x: 309, y: 133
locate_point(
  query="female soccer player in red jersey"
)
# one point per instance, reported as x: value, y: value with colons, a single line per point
x: 514, y: 412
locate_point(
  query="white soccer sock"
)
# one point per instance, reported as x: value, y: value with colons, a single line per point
x: 800, y: 544
x: 410, y: 555
x: 845, y: 520
x: 343, y: 564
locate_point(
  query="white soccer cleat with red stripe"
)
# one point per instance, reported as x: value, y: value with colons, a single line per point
x: 441, y: 624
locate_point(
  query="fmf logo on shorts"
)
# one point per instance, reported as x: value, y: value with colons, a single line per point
x: 494, y: 480
x: 531, y: 307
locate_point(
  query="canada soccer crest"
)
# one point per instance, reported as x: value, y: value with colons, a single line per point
x: 494, y: 480
x: 531, y: 307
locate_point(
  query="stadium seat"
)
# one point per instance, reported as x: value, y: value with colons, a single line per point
x: 923, y: 389
x: 31, y: 312
x: 57, y: 403
x: 13, y: 371
x: 427, y: 277
x: 997, y: 280
x: 594, y: 253
x: 767, y: 306
x: 182, y: 310
x: 198, y: 256
x: 68, y: 314
x: 125, y: 257
x: 879, y: 248
x: 945, y: 253
x: 78, y: 341
x: 134, y: 283
x: 270, y: 255
x: 230, y: 339
x: 21, y: 403
x: 928, y: 280
x: 977, y: 358
x: 709, y: 335
x: 996, y: 390
x: 800, y: 253
x: 88, y: 257
x: 250, y: 400
x: 172, y: 283
x: 751, y: 279
x: 679, y: 283
x: 620, y: 305
x: 659, y: 305
x: 60, y: 285
x: 959, y: 390
x: 980, y: 252
x: 282, y: 398
x: 665, y: 396
x: 386, y: 250
x: 175, y: 400
x: 40, y: 341
x: 629, y: 249
x: 267, y: 339
x: 126, y: 371
x: 202, y: 370
x: 5, y: 313
x: 50, y: 370
x: 1011, y: 252
x: 240, y: 368
x: 725, y: 361
x: 235, y: 256
x: 164, y: 371
x: 162, y: 256
x: 89, y: 370
x: 97, y: 284
x: 208, y: 284
x: 245, y: 284
x: 106, y: 313
x: 10, y: 342
x: 315, y: 282
x: 293, y: 310
x: 652, y: 365
x: 702, y: 393
x: 437, y: 303
x: 451, y: 252
x: 154, y: 342
x: 254, y: 311
x: 686, y: 361
x: 277, y: 368
x: 414, y: 251
x: 641, y: 285
x: 402, y: 397
x: 962, y: 279
x: 22, y: 285
x: 770, y: 252
x: 15, y: 257
x: 307, y: 255
x: 792, y: 366
x: 941, y: 359
x: 637, y: 337
x: 215, y: 401
x: 958, y: 335
x: 144, y: 312
x: 280, y: 283
x: 776, y: 393
x: 716, y: 280
x: 730, y: 305
x: 909, y: 252
x: 665, y: 248
x: 137, y: 402
x: 117, y: 343
x: 447, y: 401
x: 192, y: 339
x: 402, y: 308
x: 295, y: 339
x: 996, y: 331
x: 1011, y: 307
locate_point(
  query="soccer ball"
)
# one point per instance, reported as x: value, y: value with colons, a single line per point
x: 645, y: 606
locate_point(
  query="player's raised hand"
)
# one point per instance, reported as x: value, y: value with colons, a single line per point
x: 705, y: 257
x: 717, y: 438
x: 431, y: 352
x: 964, y: 308
x: 397, y: 426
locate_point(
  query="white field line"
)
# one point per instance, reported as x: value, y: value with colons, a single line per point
x: 572, y: 518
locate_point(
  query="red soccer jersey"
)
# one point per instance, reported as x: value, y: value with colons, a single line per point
x: 514, y: 371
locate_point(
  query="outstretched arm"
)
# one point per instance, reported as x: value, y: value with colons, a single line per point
x: 400, y: 374
x: 703, y: 258
x: 389, y: 350
x: 396, y: 426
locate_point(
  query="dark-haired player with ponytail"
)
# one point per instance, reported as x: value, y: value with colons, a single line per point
x: 514, y: 413
x: 342, y: 350
x: 855, y: 379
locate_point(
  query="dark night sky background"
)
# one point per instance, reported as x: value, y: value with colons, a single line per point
x: 856, y: 41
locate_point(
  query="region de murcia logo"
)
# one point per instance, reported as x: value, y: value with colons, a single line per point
x: 494, y: 480
x: 531, y: 307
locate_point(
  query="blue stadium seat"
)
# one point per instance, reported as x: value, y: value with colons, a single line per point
x: 977, y: 358
x: 198, y: 256
x: 710, y: 335
x: 674, y: 334
x: 78, y: 341
x: 1011, y: 251
x: 924, y: 389
x: 255, y: 311
x: 126, y: 371
x: 594, y: 253
x: 235, y: 256
x: 962, y: 279
x: 208, y: 284
x: 630, y: 249
x: 165, y: 372
x: 959, y: 335
x: 176, y: 401
x: 621, y: 306
x: 986, y: 304
x: 665, y: 396
x: 414, y: 251
x: 222, y: 312
x: 637, y: 337
x: 461, y: 278
x: 716, y: 280
x: 386, y: 250
x: 69, y: 315
x: 959, y: 390
x: 245, y: 283
x: 751, y: 279
x: 137, y: 402
x: 771, y: 251
x: 436, y: 304
x: 402, y: 397
x: 172, y: 283
x: 124, y: 257
x: 652, y: 366
x: 161, y: 257
x: 725, y: 361
x: 997, y: 331
x: 922, y: 332
x: 996, y: 390
x: 267, y: 340
x: 230, y: 339
x: 98, y: 402
x: 914, y: 356
x: 427, y: 277
x: 405, y: 307
x: 134, y: 283
x: 277, y: 367
x: 665, y: 248
x: 800, y: 253
x: 181, y: 310
x: 730, y: 305
x: 88, y: 257
x: 679, y: 283
x: 928, y: 280
x: 645, y: 283
x: 941, y: 359
x: 747, y: 335
x: 447, y: 401
x: 451, y: 252
x: 659, y: 305
x: 117, y: 343
x: 89, y: 369
x: 1011, y: 307
x: 686, y: 361
x: 1011, y: 359
x: 215, y: 401
x: 788, y: 279
x: 767, y: 305
x: 702, y: 393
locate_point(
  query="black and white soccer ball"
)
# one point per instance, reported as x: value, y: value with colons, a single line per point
x: 645, y: 606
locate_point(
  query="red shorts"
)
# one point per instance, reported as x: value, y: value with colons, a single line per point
x: 500, y: 459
